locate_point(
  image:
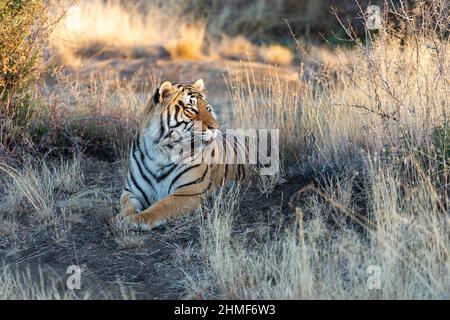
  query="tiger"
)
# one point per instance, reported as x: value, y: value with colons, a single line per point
x: 161, y: 183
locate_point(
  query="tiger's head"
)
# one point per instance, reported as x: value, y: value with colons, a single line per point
x: 183, y: 109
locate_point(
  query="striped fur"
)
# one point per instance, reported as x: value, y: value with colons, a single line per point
x: 159, y: 185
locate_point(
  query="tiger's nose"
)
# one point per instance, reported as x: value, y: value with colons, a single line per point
x: 212, y: 126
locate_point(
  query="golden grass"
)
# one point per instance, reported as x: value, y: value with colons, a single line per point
x: 91, y: 27
x: 372, y: 121
x: 276, y: 54
x: 406, y: 239
x: 239, y: 48
x: 190, y: 43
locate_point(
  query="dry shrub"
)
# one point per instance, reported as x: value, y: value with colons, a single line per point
x: 238, y: 48
x: 382, y: 96
x: 24, y: 29
x: 189, y: 45
x: 276, y: 54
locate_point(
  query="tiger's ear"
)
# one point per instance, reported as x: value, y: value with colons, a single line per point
x: 164, y: 91
x: 199, y: 85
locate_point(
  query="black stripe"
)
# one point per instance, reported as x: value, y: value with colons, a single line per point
x: 177, y: 111
x: 181, y: 173
x: 189, y: 195
x: 146, y: 168
x: 195, y: 181
x: 143, y: 176
x: 161, y: 129
x: 165, y: 166
x: 168, y: 118
x: 141, y: 171
x: 167, y: 134
x: 160, y: 177
x: 190, y: 110
x: 156, y: 96
x: 209, y: 186
x: 179, y: 123
x: 225, y: 173
x: 166, y: 174
x: 235, y: 147
x: 145, y: 148
x: 138, y: 187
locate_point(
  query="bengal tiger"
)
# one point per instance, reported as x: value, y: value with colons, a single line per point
x: 161, y: 183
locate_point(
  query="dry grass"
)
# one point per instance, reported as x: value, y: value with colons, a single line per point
x: 190, y: 43
x: 21, y: 285
x: 40, y: 284
x: 49, y: 197
x: 312, y: 260
x: 240, y: 48
x: 369, y: 125
x: 33, y: 190
x: 98, y: 28
x: 92, y: 27
x: 236, y: 48
x: 276, y: 54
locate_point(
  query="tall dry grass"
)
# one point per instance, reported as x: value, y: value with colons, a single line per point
x: 387, y: 92
x: 366, y: 126
x: 311, y: 260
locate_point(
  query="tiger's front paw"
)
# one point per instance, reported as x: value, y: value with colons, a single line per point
x: 137, y: 223
x: 129, y: 222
